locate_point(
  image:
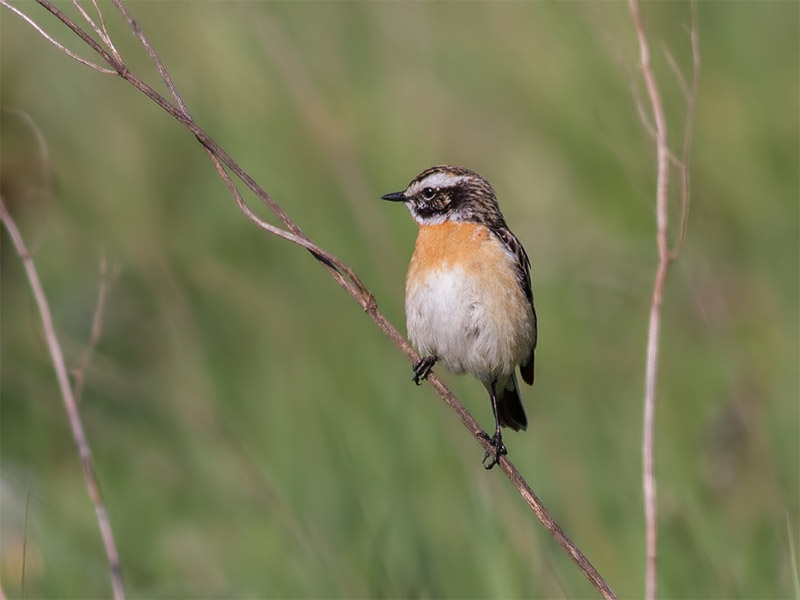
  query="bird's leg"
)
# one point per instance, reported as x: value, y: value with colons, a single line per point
x: 496, y: 441
x: 423, y: 367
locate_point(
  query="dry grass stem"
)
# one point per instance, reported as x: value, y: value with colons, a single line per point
x: 688, y: 131
x: 78, y: 432
x: 654, y: 323
x: 101, y: 31
x: 790, y: 531
x: 664, y: 158
x: 79, y: 373
x: 46, y: 36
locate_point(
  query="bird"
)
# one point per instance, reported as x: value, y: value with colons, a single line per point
x: 468, y: 296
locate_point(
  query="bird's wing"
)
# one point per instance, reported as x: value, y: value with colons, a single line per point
x: 523, y: 264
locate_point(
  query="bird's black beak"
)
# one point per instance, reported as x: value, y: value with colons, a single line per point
x: 395, y: 197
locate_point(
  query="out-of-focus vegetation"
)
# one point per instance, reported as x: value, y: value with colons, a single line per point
x: 256, y: 435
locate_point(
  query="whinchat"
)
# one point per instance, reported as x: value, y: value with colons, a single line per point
x: 469, y: 302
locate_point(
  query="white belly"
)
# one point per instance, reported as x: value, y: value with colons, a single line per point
x: 484, y: 330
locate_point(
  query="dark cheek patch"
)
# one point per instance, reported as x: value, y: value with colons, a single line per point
x: 458, y: 195
x: 423, y: 210
x: 430, y: 208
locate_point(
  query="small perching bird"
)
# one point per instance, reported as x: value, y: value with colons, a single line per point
x: 469, y: 302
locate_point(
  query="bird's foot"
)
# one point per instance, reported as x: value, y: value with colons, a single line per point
x: 495, y: 451
x: 423, y: 368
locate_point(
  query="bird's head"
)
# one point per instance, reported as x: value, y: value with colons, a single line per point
x: 446, y: 193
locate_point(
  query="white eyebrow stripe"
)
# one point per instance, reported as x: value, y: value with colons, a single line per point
x: 440, y: 179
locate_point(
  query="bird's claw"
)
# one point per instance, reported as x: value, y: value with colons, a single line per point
x: 495, y: 451
x: 423, y: 368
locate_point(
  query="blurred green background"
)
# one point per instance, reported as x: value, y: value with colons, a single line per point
x: 256, y: 435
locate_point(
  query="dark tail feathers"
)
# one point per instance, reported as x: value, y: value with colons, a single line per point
x: 510, y: 411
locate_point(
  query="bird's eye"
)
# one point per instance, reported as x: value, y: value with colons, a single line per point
x: 428, y: 193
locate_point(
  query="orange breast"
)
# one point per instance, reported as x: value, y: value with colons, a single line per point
x: 449, y: 244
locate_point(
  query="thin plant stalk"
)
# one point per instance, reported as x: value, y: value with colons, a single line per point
x: 76, y: 424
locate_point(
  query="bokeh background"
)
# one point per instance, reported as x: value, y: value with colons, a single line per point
x: 256, y: 435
